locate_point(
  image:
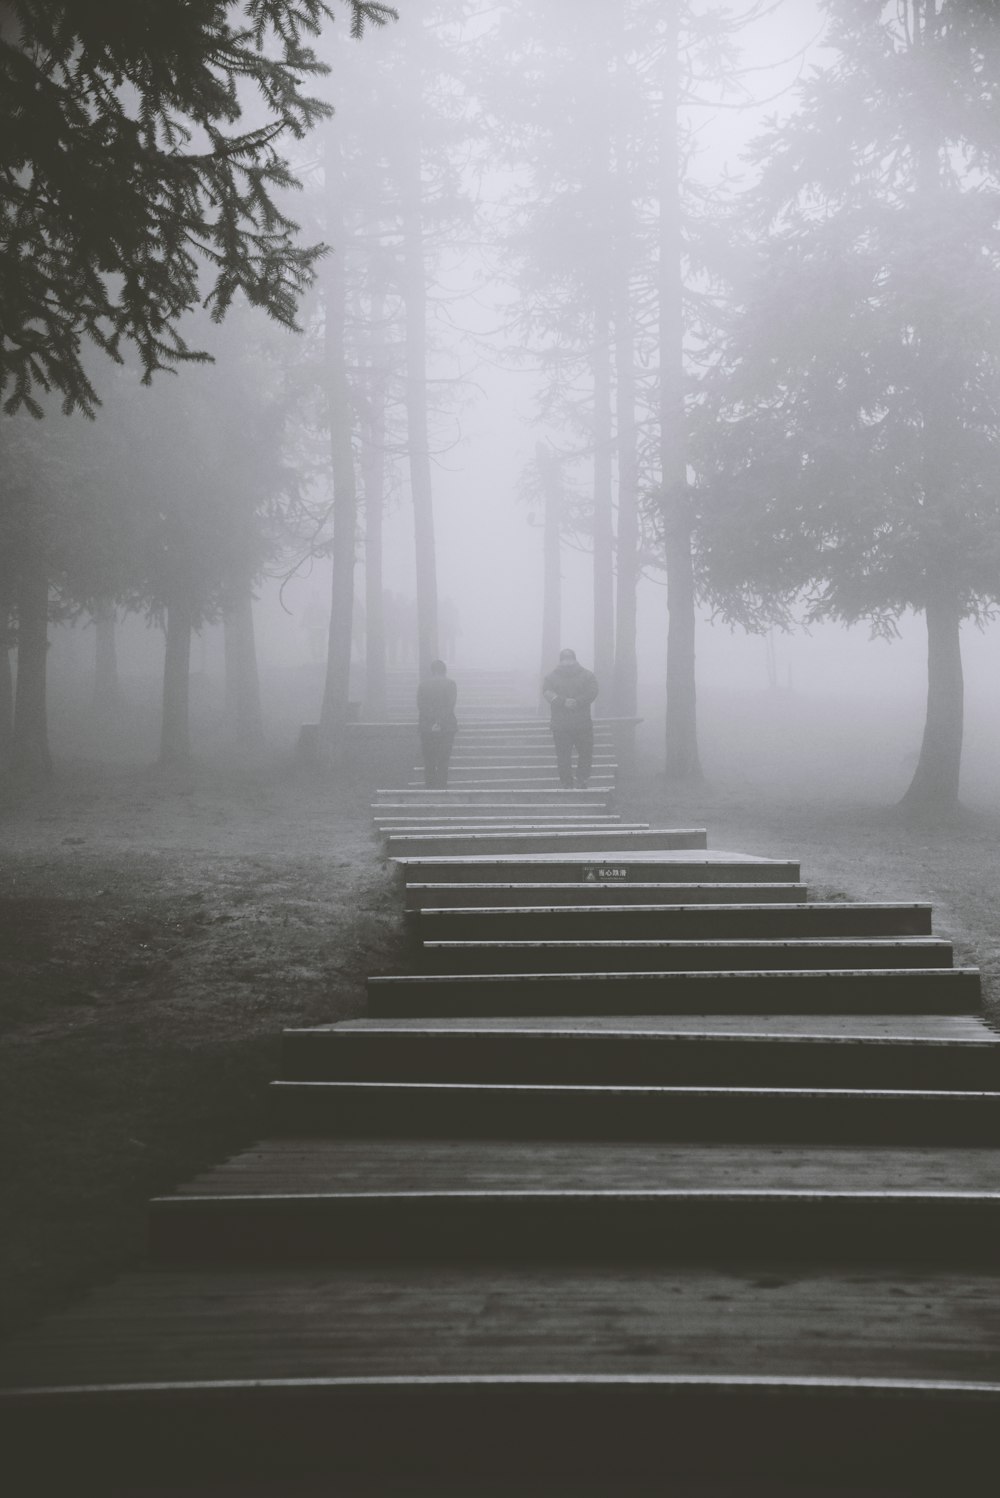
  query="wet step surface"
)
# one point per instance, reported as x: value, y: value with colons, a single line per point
x: 413, y: 1320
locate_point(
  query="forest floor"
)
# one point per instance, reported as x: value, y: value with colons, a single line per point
x: 157, y: 935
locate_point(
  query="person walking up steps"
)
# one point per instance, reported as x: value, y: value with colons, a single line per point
x: 436, y: 699
x: 569, y: 690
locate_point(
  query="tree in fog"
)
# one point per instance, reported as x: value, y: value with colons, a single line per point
x: 605, y: 245
x: 854, y: 433
x: 547, y: 91
x: 125, y: 182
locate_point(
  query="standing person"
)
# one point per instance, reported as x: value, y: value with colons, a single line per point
x: 569, y: 690
x: 436, y: 699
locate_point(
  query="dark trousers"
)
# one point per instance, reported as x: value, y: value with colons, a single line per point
x: 570, y: 736
x: 436, y: 748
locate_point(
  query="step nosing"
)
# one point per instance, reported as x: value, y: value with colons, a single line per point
x: 700, y: 974
x: 483, y: 1033
x: 576, y: 1090
x: 768, y: 1383
x: 573, y: 1194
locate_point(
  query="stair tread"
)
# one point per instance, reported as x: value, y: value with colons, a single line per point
x: 283, y: 1166
x: 772, y: 1322
x: 700, y: 857
x: 810, y: 907
x: 926, y: 1029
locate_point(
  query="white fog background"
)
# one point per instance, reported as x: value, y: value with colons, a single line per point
x: 831, y: 711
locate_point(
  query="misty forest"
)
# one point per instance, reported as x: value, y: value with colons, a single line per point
x: 356, y: 354
x: 372, y: 336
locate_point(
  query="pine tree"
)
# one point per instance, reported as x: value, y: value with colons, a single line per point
x: 131, y: 186
x: 854, y: 434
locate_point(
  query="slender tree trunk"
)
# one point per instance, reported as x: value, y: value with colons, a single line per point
x: 107, y: 690
x: 242, y: 680
x: 682, y: 760
x: 337, y: 689
x: 627, y: 550
x: 604, y: 534
x: 548, y: 467
x: 934, y: 787
x: 415, y: 304
x: 373, y: 463
x: 626, y: 600
x: 29, y: 754
x: 6, y: 677
x: 175, y: 729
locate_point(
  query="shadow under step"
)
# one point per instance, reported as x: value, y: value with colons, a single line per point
x: 648, y: 955
x: 548, y: 896
x: 800, y: 991
x: 615, y: 1226
x: 942, y: 1052
x: 838, y: 918
x: 515, y: 1111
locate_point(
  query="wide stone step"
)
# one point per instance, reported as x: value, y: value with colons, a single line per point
x: 515, y: 1111
x: 848, y: 991
x: 677, y: 866
x: 500, y: 816
x: 421, y: 1373
x: 722, y: 955
x: 470, y: 825
x: 613, y: 841
x: 458, y: 896
x: 544, y: 754
x: 817, y: 918
x: 620, y: 1225
x: 845, y: 1051
x: 480, y: 780
x: 449, y: 796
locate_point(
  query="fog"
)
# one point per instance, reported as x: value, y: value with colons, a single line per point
x: 829, y: 706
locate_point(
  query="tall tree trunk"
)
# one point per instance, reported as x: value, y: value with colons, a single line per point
x: 627, y: 551
x: 373, y: 472
x: 175, y: 729
x: 934, y: 787
x: 6, y: 676
x: 415, y: 304
x: 107, y: 690
x: 242, y: 680
x: 604, y: 534
x: 548, y: 468
x: 337, y: 688
x: 29, y: 753
x: 682, y: 759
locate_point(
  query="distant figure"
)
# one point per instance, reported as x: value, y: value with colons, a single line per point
x: 569, y: 690
x: 438, y: 725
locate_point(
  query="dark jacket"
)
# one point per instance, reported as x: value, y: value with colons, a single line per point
x: 574, y: 683
x: 436, y: 705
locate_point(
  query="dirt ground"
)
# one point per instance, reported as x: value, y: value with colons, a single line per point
x: 157, y: 935
x: 155, y: 938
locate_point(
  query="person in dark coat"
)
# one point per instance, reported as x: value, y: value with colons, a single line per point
x: 436, y: 697
x: 569, y: 690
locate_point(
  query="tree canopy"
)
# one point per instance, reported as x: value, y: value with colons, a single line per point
x: 853, y: 441
x: 132, y: 186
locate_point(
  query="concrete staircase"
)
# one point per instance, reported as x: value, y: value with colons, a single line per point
x: 649, y: 1175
